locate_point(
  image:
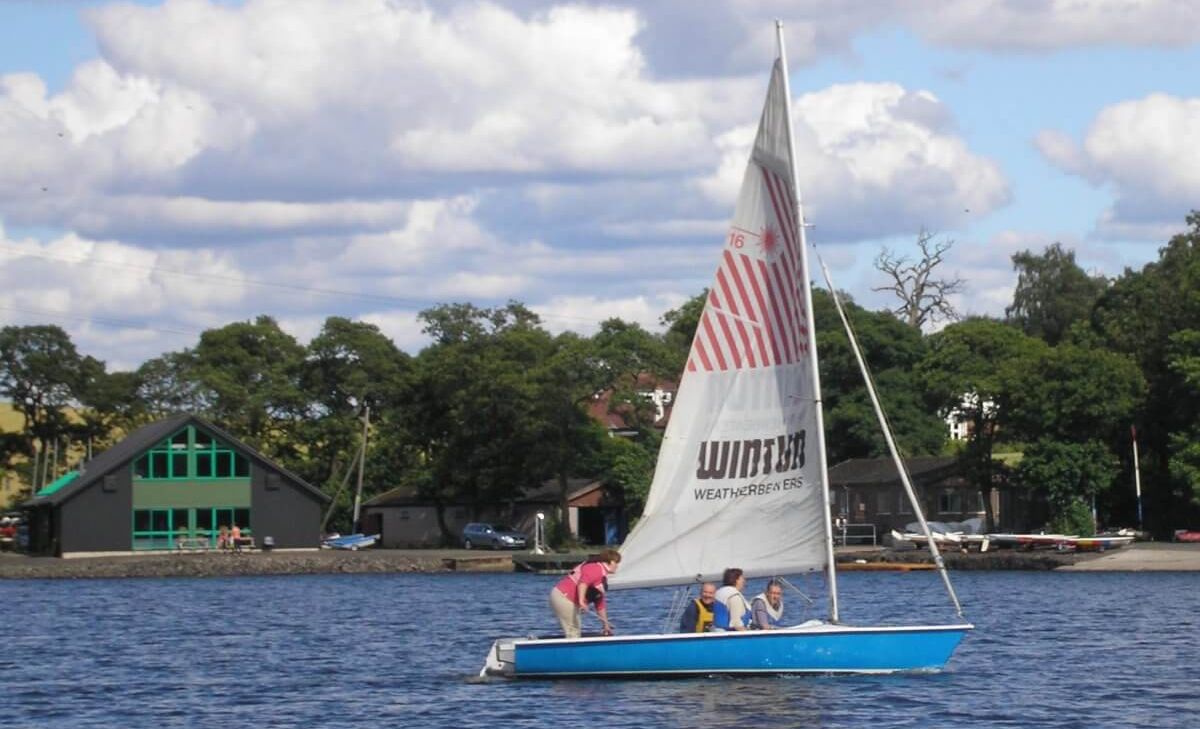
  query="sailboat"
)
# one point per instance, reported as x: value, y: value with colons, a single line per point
x: 355, y: 540
x: 741, y: 478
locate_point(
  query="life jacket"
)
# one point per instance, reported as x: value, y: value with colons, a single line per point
x: 774, y: 617
x: 704, y: 616
x: 721, y: 613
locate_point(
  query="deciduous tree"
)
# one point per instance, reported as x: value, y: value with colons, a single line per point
x: 1052, y: 293
x: 967, y: 368
x: 41, y: 374
x: 924, y: 298
x: 892, y: 351
x: 251, y: 372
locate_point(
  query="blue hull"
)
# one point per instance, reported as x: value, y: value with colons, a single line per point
x: 823, y: 649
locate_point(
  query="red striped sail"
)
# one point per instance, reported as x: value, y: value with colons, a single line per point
x: 755, y: 316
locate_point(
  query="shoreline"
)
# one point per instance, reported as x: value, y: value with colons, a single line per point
x: 1139, y: 557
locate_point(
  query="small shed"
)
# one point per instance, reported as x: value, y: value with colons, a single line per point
x: 173, y: 482
x: 404, y: 518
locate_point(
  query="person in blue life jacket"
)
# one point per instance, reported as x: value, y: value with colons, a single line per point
x: 698, y: 616
x: 767, y: 607
x: 730, y: 609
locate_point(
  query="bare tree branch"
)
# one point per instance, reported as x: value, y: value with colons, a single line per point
x: 923, y: 299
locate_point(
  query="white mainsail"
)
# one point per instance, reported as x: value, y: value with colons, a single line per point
x: 739, y: 482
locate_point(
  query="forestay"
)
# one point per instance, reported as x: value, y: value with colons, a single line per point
x: 738, y: 481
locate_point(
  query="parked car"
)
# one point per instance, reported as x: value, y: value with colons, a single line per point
x: 496, y: 536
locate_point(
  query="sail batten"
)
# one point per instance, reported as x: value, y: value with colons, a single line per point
x: 737, y: 482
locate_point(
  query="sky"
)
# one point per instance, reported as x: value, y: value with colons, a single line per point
x: 172, y: 166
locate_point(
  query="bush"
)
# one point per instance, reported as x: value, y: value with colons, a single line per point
x: 1075, y: 518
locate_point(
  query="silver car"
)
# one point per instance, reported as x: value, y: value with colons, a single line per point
x: 496, y: 536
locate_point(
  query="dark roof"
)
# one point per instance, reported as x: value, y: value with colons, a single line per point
x: 546, y: 493
x: 144, y: 438
x: 881, y: 471
x: 107, y: 461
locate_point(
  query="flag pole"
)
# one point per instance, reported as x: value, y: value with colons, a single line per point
x: 822, y: 465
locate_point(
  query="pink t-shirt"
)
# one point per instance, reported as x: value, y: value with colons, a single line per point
x: 591, y: 574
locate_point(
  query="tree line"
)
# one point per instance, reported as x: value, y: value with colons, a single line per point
x: 496, y: 405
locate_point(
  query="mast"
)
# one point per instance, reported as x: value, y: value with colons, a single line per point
x: 1137, y: 474
x: 362, y: 463
x: 822, y: 465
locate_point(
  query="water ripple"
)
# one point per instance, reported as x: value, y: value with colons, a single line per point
x: 1050, y: 650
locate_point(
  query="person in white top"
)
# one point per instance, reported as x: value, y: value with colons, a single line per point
x: 731, y: 611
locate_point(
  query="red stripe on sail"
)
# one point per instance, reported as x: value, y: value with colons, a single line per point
x: 698, y: 348
x: 751, y: 276
x: 747, y: 305
x: 782, y: 202
x: 712, y: 340
x: 796, y: 314
x: 793, y: 259
x: 691, y: 365
x: 788, y: 283
x: 785, y: 293
x: 723, y: 339
x: 723, y: 322
x: 727, y: 293
x: 800, y: 324
x: 777, y: 327
x: 786, y: 315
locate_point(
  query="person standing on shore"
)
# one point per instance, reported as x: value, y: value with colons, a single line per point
x: 587, y: 583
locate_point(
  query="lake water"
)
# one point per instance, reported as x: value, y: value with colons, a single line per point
x: 1050, y: 650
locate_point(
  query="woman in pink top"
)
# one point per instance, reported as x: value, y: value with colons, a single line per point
x: 569, y: 598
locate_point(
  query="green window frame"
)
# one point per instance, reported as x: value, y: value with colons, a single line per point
x: 190, y: 454
x: 159, y: 529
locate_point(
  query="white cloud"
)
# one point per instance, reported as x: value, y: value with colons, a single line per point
x: 105, y: 129
x: 199, y: 216
x: 1148, y: 152
x: 478, y: 285
x: 1054, y: 24
x: 475, y: 88
x: 402, y: 327
x: 584, y: 313
x: 433, y: 228
x: 713, y: 228
x: 879, y: 148
x: 85, y: 277
x: 400, y: 153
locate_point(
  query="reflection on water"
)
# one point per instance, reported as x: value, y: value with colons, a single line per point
x: 1050, y: 650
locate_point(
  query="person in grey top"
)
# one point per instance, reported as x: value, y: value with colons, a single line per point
x: 767, y: 607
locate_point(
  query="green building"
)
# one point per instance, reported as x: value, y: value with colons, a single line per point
x: 170, y: 483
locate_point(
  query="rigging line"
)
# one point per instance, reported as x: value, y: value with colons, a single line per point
x: 239, y: 281
x: 901, y: 469
x: 116, y: 323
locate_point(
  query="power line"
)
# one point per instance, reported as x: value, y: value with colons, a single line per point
x: 117, y: 323
x: 240, y: 281
x: 231, y: 280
